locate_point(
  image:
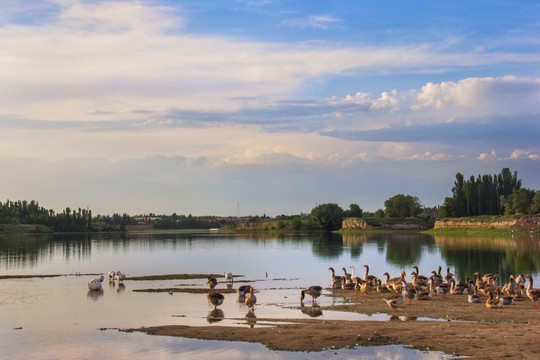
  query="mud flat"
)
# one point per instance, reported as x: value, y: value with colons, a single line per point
x: 450, y: 325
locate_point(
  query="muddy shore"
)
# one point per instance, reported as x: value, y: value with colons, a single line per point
x: 450, y: 325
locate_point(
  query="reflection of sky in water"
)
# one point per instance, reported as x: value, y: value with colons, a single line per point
x: 61, y: 319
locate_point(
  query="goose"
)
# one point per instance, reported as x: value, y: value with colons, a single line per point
x: 418, y: 276
x: 112, y: 275
x: 520, y: 293
x: 381, y: 287
x: 229, y: 277
x: 314, y: 290
x: 243, y: 290
x: 533, y: 294
x: 353, y: 273
x: 94, y: 284
x: 362, y: 286
x: 335, y: 278
x: 395, y: 301
x: 442, y: 288
x: 506, y: 300
x: 120, y: 277
x: 409, y: 293
x: 212, y: 281
x: 418, y: 281
x: 348, y: 285
x: 251, y: 300
x: 423, y: 295
x: 455, y: 290
x: 509, y: 289
x: 493, y: 303
x: 519, y: 279
x: 346, y: 276
x: 474, y: 298
x: 394, y: 284
x: 215, y: 298
x: 370, y: 278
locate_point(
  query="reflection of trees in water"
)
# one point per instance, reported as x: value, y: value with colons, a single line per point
x: 27, y: 251
x: 327, y: 245
x: 490, y: 255
x: 403, y: 249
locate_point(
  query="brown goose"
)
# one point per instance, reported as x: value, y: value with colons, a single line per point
x: 369, y: 278
x: 315, y: 291
x: 493, y: 303
x: 212, y: 281
x: 243, y: 290
x: 251, y: 300
x: 533, y: 294
x: 442, y: 288
x: 335, y: 278
x: 395, y: 301
x: 474, y: 298
x: 215, y: 298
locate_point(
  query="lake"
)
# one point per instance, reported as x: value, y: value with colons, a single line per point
x: 58, y: 318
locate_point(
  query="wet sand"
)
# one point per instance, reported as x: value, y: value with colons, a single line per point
x: 453, y: 326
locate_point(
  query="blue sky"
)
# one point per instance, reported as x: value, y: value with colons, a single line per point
x: 198, y: 106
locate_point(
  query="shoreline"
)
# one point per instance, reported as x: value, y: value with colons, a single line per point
x: 450, y: 325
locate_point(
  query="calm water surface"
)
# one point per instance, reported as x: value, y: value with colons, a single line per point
x: 58, y: 318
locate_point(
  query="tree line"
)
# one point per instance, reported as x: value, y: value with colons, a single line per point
x: 24, y: 212
x: 481, y: 195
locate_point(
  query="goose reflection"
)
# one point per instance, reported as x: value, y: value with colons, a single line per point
x: 314, y: 310
x: 215, y: 315
x: 251, y: 319
x: 120, y: 288
x: 402, y: 318
x: 94, y: 295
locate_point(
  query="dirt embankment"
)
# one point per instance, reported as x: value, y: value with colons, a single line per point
x: 531, y: 223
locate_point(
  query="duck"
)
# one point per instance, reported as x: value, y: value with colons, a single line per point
x: 212, y: 281
x: 120, y: 277
x: 251, y: 300
x: 229, y: 277
x: 474, y: 298
x: 315, y: 291
x: 493, y: 303
x: 395, y: 301
x: 243, y: 290
x: 533, y: 294
x: 215, y: 298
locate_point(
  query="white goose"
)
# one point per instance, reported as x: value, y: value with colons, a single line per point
x: 95, y: 284
x: 120, y: 277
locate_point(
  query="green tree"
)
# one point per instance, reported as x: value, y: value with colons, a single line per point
x: 402, y: 206
x: 379, y: 214
x: 354, y: 211
x: 328, y: 216
x: 520, y: 201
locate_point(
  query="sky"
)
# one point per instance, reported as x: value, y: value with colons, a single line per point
x: 263, y: 107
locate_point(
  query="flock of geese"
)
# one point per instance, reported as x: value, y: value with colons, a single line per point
x: 245, y: 292
x: 96, y: 284
x: 423, y: 287
x: 420, y: 288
